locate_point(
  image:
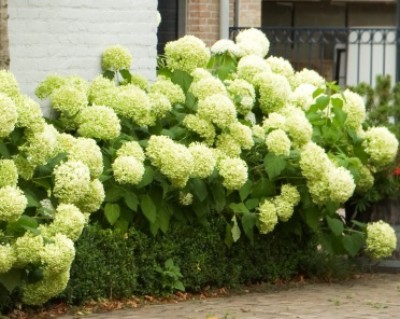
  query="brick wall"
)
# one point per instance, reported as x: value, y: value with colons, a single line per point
x: 68, y: 37
x: 203, y: 17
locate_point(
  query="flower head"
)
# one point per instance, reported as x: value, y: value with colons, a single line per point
x: 88, y: 152
x: 354, y: 107
x: 186, y: 54
x: 99, y: 122
x: 381, y: 145
x: 225, y: 46
x: 274, y: 121
x: 29, y: 113
x: 115, y: 58
x: 242, y: 134
x: 132, y: 148
x: 8, y: 84
x: 267, y: 217
x: 71, y: 181
x: 8, y: 173
x: 58, y: 255
x: 128, y: 170
x: 185, y: 199
x: 93, y: 199
x: 278, y: 142
x: 41, y: 145
x: 48, y: 85
x: 8, y: 114
x: 28, y: 248
x: 281, y: 66
x: 218, y: 109
x: 251, y: 65
x: 134, y: 104
x: 341, y: 184
x: 172, y: 91
x: 68, y: 220
x: 228, y: 145
x: 381, y: 240
x: 68, y: 99
x: 252, y: 41
x: 202, y: 127
x: 308, y: 76
x: 160, y: 105
x: 207, y: 86
x: 102, y: 91
x: 302, y: 96
x: 243, y: 95
x: 234, y: 172
x: 297, y: 126
x: 274, y: 91
x: 314, y: 162
x: 7, y: 258
x: 12, y: 203
x: 203, y: 160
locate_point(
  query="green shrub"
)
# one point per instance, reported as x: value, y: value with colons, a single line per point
x: 196, y: 250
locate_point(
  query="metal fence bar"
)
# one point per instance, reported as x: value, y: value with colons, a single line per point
x: 362, y: 53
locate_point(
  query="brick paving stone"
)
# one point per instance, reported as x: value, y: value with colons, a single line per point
x: 374, y: 296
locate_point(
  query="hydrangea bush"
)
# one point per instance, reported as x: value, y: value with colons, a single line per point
x: 48, y: 187
x: 225, y: 130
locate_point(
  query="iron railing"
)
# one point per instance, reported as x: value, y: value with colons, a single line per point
x: 346, y: 55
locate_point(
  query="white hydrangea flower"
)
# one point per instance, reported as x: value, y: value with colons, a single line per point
x: 28, y: 248
x: 185, y: 199
x: 58, y: 255
x: 381, y: 145
x: 203, y: 160
x: 274, y: 91
x: 251, y: 65
x: 381, y: 240
x: 234, y: 172
x: 274, y: 121
x: 354, y: 107
x: 281, y: 66
x: 297, y: 126
x: 200, y: 126
x: 7, y: 258
x: 228, y: 145
x: 278, y: 142
x: 12, y: 203
x: 93, y: 199
x: 218, y: 109
x: 302, y: 96
x: 8, y: 173
x: 207, y: 86
x: 116, y: 57
x: 89, y: 153
x: 225, y: 46
x: 128, y: 170
x: 314, y: 162
x: 308, y: 76
x: 71, y: 181
x: 341, y: 184
x: 267, y: 217
x: 242, y: 134
x: 252, y: 41
x: 8, y: 115
x: 132, y: 148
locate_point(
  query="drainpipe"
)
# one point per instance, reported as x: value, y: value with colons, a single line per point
x: 224, y: 19
x: 236, y: 14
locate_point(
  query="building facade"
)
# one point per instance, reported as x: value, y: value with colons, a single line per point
x: 68, y: 37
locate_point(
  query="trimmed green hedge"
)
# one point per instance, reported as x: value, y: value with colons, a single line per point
x: 109, y: 264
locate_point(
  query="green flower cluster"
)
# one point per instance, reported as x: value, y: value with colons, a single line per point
x: 381, y: 240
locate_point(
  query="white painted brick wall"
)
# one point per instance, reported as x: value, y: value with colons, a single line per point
x: 68, y: 37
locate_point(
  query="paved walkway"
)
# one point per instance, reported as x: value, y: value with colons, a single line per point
x: 368, y: 297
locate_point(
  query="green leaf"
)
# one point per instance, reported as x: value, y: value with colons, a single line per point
x: 126, y: 75
x: 239, y: 208
x: 335, y: 225
x: 148, y: 208
x: 154, y: 228
x: 201, y: 209
x: 178, y: 285
x: 252, y: 203
x: 112, y: 212
x: 182, y: 78
x: 33, y: 201
x: 108, y: 74
x: 147, y: 178
x: 263, y: 188
x: 121, y: 225
x: 219, y: 197
x: 248, y: 222
x: 245, y: 191
x: 311, y: 216
x: 322, y: 101
x: 199, y: 189
x: 11, y: 279
x: 353, y: 243
x: 131, y: 201
x: 228, y: 235
x: 164, y: 217
x: 274, y: 165
x: 235, y: 230
x: 4, y: 150
x: 114, y: 193
x: 317, y: 92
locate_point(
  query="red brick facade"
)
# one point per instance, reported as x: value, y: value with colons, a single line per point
x: 203, y: 17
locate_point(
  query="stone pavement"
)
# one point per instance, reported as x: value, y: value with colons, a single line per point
x: 372, y: 296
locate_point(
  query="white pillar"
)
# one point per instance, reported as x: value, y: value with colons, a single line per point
x: 224, y: 19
